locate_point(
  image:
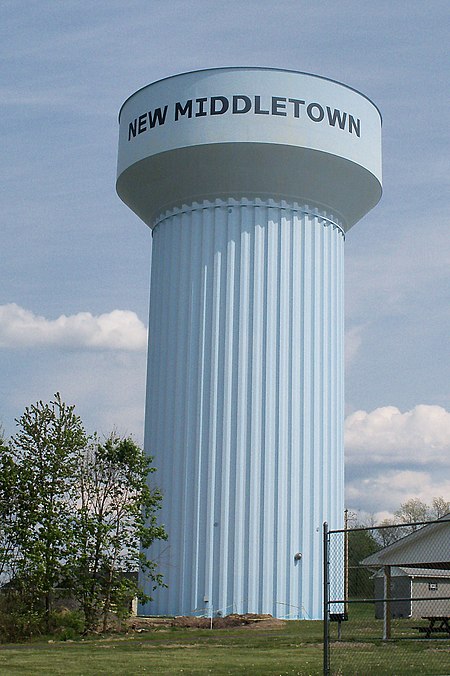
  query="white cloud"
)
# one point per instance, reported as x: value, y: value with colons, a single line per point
x: 107, y: 387
x: 383, y: 493
x: 116, y: 330
x: 352, y: 343
x: 387, y: 436
x: 392, y: 457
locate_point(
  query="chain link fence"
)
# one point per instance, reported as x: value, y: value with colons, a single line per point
x: 387, y: 599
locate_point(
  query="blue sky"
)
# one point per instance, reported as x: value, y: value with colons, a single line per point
x: 75, y: 261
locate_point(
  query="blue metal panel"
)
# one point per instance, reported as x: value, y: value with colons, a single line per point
x: 245, y: 404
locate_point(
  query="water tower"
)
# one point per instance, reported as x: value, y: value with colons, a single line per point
x: 249, y: 179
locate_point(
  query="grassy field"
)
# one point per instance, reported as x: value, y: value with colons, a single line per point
x: 295, y: 648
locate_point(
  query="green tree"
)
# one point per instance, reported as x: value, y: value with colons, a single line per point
x: 361, y: 544
x: 8, y: 502
x: 439, y: 507
x: 413, y: 511
x: 408, y: 517
x: 73, y: 514
x: 45, y: 451
x: 116, y: 515
x: 390, y: 532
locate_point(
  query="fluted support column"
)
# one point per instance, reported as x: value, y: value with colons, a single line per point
x: 244, y: 412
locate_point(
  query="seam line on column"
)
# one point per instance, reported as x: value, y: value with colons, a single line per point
x: 195, y: 206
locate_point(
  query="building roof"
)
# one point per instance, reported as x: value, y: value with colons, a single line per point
x: 406, y: 571
x: 428, y: 547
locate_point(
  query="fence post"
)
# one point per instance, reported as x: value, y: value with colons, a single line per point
x: 345, y: 563
x: 387, y: 604
x: 326, y: 593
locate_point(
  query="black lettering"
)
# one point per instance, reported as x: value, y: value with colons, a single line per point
x: 201, y: 107
x: 297, y: 103
x: 258, y: 109
x: 142, y: 124
x: 354, y: 124
x: 221, y: 100
x: 334, y: 115
x: 182, y: 110
x: 132, y: 129
x: 315, y: 118
x: 157, y: 117
x: 278, y: 105
x: 247, y: 104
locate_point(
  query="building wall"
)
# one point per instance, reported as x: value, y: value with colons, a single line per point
x: 401, y: 589
x: 414, y: 588
x: 433, y: 606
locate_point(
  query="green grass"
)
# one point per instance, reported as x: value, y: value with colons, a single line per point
x: 361, y: 649
x: 296, y: 648
x: 194, y: 651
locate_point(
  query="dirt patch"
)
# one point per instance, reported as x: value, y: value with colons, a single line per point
x: 250, y: 620
x: 269, y: 623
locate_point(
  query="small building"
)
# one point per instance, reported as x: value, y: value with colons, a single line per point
x: 410, y: 584
x: 413, y: 573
